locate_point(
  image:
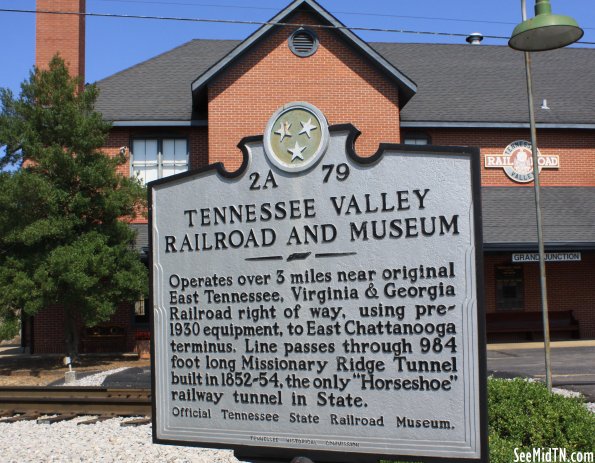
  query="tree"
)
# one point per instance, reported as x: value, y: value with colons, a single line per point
x: 64, y: 239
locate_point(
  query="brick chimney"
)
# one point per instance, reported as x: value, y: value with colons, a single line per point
x: 61, y: 33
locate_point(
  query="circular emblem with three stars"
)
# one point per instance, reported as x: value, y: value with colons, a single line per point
x: 296, y: 137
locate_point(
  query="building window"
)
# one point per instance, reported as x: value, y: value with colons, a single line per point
x: 510, y: 288
x: 141, y: 314
x: 154, y: 158
x: 416, y: 138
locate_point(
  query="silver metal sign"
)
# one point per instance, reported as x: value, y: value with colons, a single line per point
x: 329, y: 312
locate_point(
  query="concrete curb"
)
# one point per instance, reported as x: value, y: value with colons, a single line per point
x: 539, y: 345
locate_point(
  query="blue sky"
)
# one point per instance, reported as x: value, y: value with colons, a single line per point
x: 114, y: 44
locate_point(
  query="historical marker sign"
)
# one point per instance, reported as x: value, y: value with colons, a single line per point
x: 320, y: 304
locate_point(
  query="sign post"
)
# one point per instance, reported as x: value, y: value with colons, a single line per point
x: 318, y: 304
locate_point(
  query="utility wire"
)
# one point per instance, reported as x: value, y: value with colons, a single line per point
x: 264, y: 8
x: 237, y: 21
x: 252, y: 23
x: 353, y: 13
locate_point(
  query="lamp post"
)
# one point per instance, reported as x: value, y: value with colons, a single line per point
x: 545, y: 31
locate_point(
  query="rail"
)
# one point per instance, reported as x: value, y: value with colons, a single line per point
x: 54, y: 404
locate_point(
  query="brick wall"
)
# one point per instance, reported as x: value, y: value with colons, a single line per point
x: 48, y: 330
x: 576, y: 149
x: 61, y: 33
x: 336, y: 79
x: 569, y: 287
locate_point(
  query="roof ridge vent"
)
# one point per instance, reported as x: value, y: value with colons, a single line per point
x: 303, y: 42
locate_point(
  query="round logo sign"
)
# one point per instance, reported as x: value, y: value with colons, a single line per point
x: 296, y: 137
x: 517, y: 161
x: 520, y: 166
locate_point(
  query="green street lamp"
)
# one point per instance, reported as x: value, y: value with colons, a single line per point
x: 545, y: 31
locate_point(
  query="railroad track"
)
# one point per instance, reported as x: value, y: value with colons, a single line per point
x: 54, y: 404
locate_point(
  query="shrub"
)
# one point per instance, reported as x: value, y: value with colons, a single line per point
x: 524, y: 415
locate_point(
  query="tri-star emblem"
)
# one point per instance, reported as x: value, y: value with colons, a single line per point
x: 283, y: 131
x: 296, y: 136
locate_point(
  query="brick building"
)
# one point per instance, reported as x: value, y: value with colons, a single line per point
x: 190, y: 107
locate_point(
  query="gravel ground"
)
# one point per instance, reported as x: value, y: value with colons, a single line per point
x: 105, y: 442
x: 567, y: 393
x: 25, y: 370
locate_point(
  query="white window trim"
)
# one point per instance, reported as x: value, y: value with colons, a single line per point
x: 160, y: 163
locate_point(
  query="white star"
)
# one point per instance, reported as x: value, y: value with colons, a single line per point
x: 307, y: 127
x: 296, y: 152
x: 284, y: 129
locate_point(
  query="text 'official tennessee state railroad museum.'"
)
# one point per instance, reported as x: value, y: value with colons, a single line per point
x: 189, y: 107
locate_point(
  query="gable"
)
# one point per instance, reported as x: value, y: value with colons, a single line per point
x: 320, y: 17
x: 337, y: 79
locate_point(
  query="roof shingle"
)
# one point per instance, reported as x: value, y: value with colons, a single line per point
x: 509, y: 216
x: 455, y: 83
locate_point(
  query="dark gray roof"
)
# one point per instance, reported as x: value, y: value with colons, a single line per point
x: 160, y: 89
x: 480, y: 83
x: 455, y: 84
x: 509, y: 217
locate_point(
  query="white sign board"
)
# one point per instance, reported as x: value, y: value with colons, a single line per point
x: 549, y: 257
x: 330, y: 312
